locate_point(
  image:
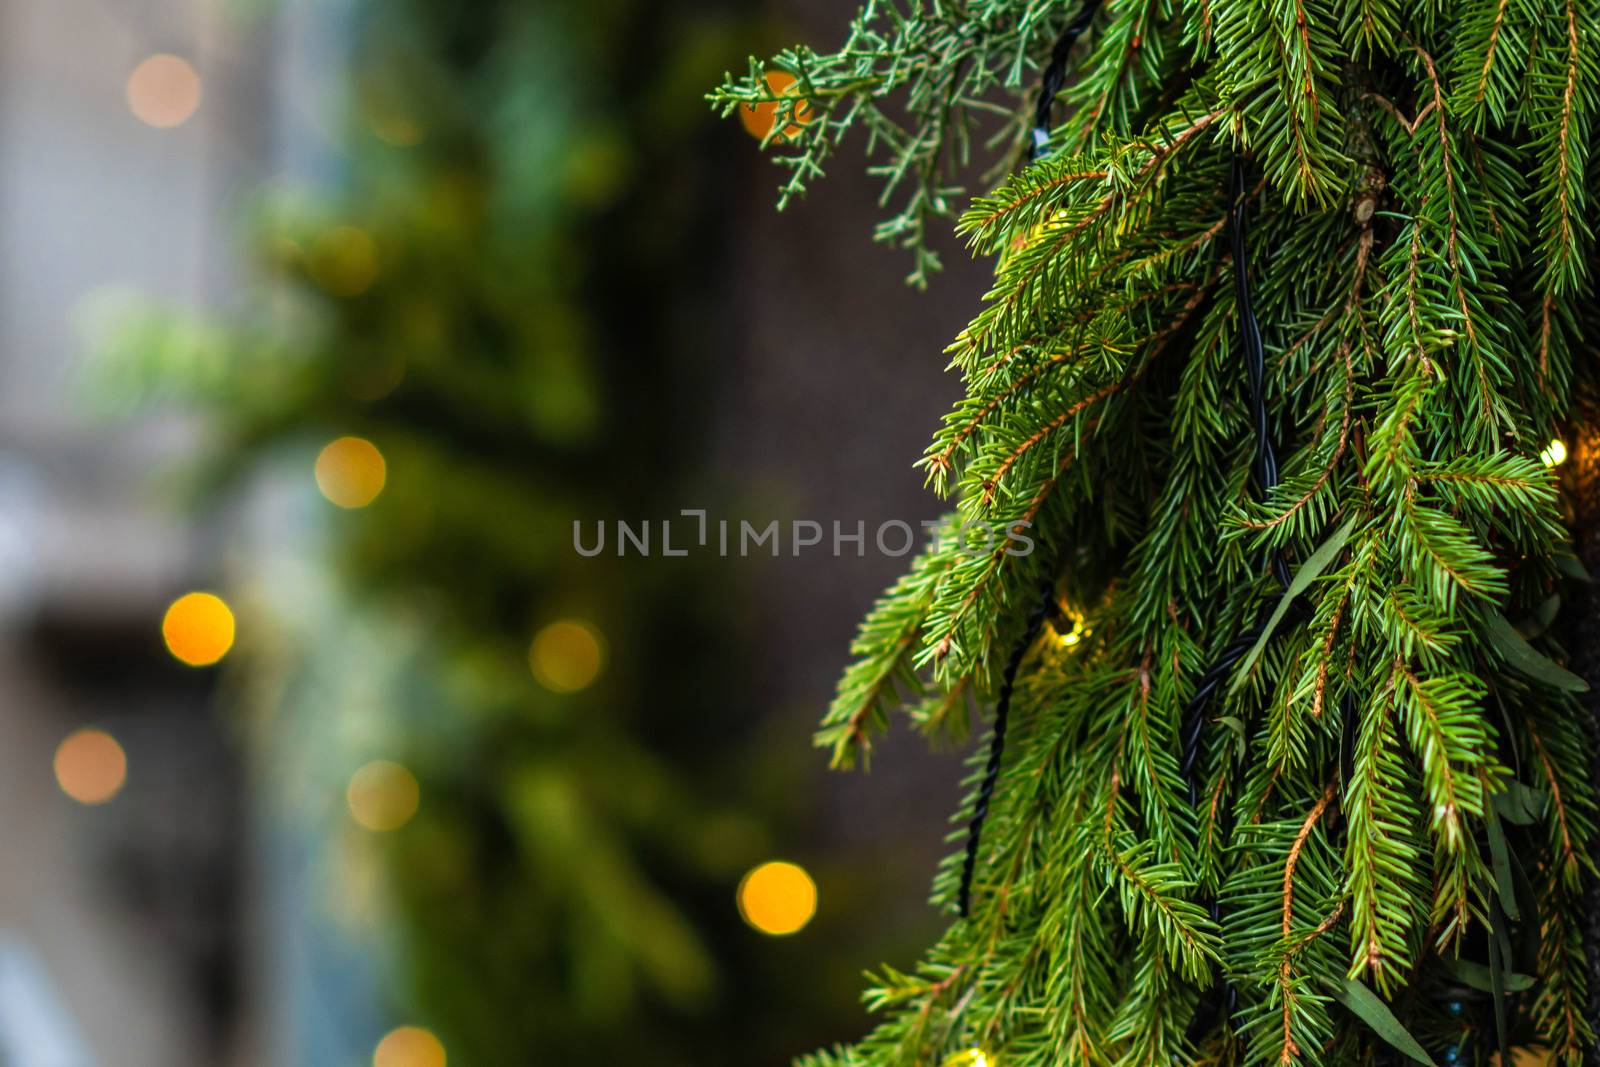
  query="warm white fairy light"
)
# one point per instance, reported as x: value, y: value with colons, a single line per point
x: 1071, y: 637
x: 1555, y: 453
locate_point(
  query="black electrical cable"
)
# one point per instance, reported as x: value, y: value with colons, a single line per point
x: 1255, y: 353
x: 1050, y: 83
x: 1266, y: 470
x: 1194, y: 711
x: 997, y: 739
x: 1055, y: 75
x: 1220, y: 998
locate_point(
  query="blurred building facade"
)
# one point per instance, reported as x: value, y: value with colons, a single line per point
x: 128, y: 917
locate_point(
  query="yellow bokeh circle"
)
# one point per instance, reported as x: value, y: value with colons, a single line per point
x: 409, y: 1046
x: 383, y: 795
x: 90, y: 766
x: 566, y: 656
x: 777, y: 897
x: 198, y: 629
x: 344, y: 261
x: 351, y: 472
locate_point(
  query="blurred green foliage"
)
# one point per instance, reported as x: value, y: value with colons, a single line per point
x: 514, y: 295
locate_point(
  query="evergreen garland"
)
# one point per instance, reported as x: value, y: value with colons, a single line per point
x: 1388, y: 844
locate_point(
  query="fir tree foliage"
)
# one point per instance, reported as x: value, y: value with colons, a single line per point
x: 1393, y: 791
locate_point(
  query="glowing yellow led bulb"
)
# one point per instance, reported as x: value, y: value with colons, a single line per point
x: 1066, y: 638
x: 1555, y: 453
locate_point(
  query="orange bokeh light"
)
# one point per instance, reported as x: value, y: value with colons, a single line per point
x: 198, y: 629
x: 409, y: 1046
x: 758, y: 119
x: 777, y: 897
x: 90, y: 766
x: 163, y: 91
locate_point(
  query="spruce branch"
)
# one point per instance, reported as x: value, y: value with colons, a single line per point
x: 1418, y: 259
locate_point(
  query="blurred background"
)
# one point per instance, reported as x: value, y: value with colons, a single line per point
x: 322, y: 321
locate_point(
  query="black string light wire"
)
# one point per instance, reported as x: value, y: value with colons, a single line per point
x: 1221, y: 996
x: 1055, y: 75
x: 1050, y: 83
x: 1266, y: 472
x: 997, y: 739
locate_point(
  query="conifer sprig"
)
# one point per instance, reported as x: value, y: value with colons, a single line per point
x: 920, y: 79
